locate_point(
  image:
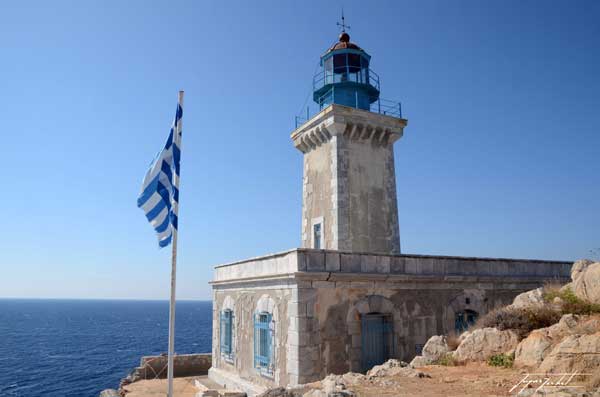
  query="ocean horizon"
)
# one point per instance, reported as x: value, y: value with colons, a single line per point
x: 78, y: 347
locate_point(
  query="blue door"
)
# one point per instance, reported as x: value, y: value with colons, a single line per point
x: 464, y: 320
x: 375, y: 337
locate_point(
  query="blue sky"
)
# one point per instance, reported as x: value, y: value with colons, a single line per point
x: 500, y: 157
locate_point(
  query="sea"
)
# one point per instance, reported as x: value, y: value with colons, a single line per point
x: 77, y: 348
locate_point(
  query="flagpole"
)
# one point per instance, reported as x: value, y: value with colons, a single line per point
x: 175, y: 207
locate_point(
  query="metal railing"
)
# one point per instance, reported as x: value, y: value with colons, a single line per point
x: 345, y: 74
x: 387, y: 107
x: 381, y: 106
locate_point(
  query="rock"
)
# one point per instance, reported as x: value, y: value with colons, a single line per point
x: 281, y: 392
x: 574, y: 353
x: 483, y: 343
x: 531, y: 351
x: 578, y: 267
x: 336, y: 385
x: 568, y: 321
x: 586, y: 285
x: 275, y: 392
x: 381, y: 370
x: 434, y: 349
x: 109, y: 393
x: 394, y: 367
x: 529, y: 299
x: 420, y: 361
x: 352, y: 378
x: 315, y: 393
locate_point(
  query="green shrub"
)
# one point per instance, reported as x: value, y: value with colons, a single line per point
x: 501, y: 360
x: 569, y: 302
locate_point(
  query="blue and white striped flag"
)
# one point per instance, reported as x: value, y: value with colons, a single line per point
x: 159, y: 198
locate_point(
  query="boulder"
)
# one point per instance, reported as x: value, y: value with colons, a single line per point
x: 384, y: 369
x: 531, y: 351
x: 394, y: 367
x: 579, y: 267
x: 434, y: 349
x: 534, y: 349
x: 421, y: 361
x: 336, y: 385
x: 276, y: 392
x: 574, y: 353
x: 586, y: 285
x: 529, y: 299
x: 483, y: 343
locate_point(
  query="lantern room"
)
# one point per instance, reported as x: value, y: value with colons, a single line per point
x: 345, y: 77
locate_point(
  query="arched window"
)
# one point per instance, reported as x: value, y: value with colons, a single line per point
x: 464, y: 319
x: 264, y: 335
x: 263, y: 342
x: 227, y: 329
x: 227, y: 333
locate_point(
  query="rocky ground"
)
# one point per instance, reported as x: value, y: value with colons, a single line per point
x: 469, y: 380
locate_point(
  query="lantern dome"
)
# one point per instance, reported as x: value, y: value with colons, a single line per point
x: 345, y: 77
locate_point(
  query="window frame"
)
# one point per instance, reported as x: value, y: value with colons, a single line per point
x: 314, y: 222
x: 264, y: 339
x: 226, y: 339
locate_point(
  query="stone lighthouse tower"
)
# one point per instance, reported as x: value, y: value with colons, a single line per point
x: 349, y: 183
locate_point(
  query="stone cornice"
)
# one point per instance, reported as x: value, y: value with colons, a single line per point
x: 351, y: 123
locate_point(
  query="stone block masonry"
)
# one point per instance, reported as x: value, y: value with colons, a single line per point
x: 349, y: 183
x: 318, y: 298
x: 152, y: 367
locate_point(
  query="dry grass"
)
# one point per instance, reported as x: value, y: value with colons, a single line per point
x: 452, y: 340
x: 525, y: 320
x: 521, y: 320
x: 550, y: 288
x: 447, y: 360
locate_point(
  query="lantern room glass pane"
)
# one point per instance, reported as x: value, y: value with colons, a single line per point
x: 354, y: 62
x: 339, y: 63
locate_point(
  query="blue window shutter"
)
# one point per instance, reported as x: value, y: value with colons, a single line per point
x: 255, y: 341
x: 263, y: 340
x: 226, y: 333
x: 269, y: 334
x: 222, y: 331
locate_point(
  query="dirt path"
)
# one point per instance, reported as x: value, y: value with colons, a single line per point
x: 472, y: 380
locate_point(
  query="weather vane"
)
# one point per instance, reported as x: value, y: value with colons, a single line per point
x: 343, y: 24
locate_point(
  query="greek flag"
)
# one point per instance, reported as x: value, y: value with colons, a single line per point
x: 159, y: 198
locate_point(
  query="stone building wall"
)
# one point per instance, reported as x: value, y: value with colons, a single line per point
x: 317, y: 195
x: 368, y: 211
x: 349, y: 179
x: 319, y: 297
x: 334, y: 319
x: 245, y: 303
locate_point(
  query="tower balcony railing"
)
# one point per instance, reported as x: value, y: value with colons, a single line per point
x: 385, y: 107
x: 346, y: 74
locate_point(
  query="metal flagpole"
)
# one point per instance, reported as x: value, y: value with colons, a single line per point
x: 175, y: 207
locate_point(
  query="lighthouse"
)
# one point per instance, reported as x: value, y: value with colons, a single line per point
x: 347, y: 299
x: 349, y: 185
